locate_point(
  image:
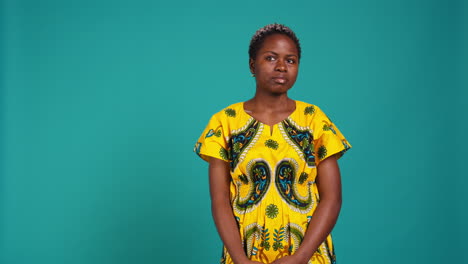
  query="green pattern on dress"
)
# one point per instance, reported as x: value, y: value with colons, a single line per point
x: 328, y: 127
x: 223, y: 153
x: 230, y: 112
x: 309, y: 110
x: 243, y: 178
x: 285, y: 181
x: 240, y: 141
x: 302, y: 138
x: 322, y: 152
x: 278, y: 237
x: 197, y: 148
x: 265, y: 236
x: 211, y: 133
x: 271, y: 211
x: 296, y: 235
x: 258, y: 176
x: 303, y: 177
x: 330, y: 253
x: 271, y: 144
x: 236, y: 147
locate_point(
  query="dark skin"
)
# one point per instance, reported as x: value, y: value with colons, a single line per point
x: 275, y: 68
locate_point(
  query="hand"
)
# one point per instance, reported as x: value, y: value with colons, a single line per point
x: 289, y: 260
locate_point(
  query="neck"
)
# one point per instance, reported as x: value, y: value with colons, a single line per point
x: 271, y: 102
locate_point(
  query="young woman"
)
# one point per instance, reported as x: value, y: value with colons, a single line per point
x: 274, y: 179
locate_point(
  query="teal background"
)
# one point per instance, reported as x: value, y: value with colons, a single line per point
x: 102, y: 102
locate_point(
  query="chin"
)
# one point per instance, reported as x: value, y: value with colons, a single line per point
x: 280, y: 91
x: 283, y: 88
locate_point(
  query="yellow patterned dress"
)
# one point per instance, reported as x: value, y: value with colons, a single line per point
x: 273, y: 170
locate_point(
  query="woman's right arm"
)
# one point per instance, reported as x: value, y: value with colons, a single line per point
x: 222, y: 210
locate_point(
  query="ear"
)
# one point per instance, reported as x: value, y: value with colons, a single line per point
x: 252, y: 66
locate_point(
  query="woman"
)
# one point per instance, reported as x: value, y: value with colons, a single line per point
x: 270, y: 159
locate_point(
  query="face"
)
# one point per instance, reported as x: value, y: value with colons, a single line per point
x: 276, y: 64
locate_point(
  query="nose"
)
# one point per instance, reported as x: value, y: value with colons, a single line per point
x: 280, y: 66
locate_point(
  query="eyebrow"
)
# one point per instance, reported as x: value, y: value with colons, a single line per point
x: 288, y: 55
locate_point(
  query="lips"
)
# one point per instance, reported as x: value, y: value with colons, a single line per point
x: 280, y: 80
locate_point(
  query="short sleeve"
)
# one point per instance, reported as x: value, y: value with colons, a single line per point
x: 328, y: 140
x: 212, y: 142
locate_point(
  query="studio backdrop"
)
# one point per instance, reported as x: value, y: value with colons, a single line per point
x: 103, y: 101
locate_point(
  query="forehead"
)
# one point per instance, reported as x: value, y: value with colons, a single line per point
x: 279, y: 42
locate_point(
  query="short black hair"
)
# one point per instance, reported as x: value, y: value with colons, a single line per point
x: 268, y: 30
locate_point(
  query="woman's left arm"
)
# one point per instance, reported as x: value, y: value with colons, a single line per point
x: 325, y: 215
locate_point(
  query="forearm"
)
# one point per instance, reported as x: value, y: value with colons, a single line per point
x: 228, y: 229
x: 320, y: 226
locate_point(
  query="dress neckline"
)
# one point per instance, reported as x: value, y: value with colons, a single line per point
x: 294, y: 111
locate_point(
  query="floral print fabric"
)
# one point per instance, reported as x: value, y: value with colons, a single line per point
x: 273, y: 170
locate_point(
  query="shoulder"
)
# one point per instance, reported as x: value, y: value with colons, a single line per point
x: 230, y: 111
x: 306, y: 108
x: 307, y: 113
x: 230, y: 118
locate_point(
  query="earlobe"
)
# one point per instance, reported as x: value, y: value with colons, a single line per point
x: 251, y: 66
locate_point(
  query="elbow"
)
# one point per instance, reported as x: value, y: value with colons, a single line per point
x: 336, y: 203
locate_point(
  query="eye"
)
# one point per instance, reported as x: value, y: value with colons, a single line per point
x: 270, y: 58
x: 291, y: 61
